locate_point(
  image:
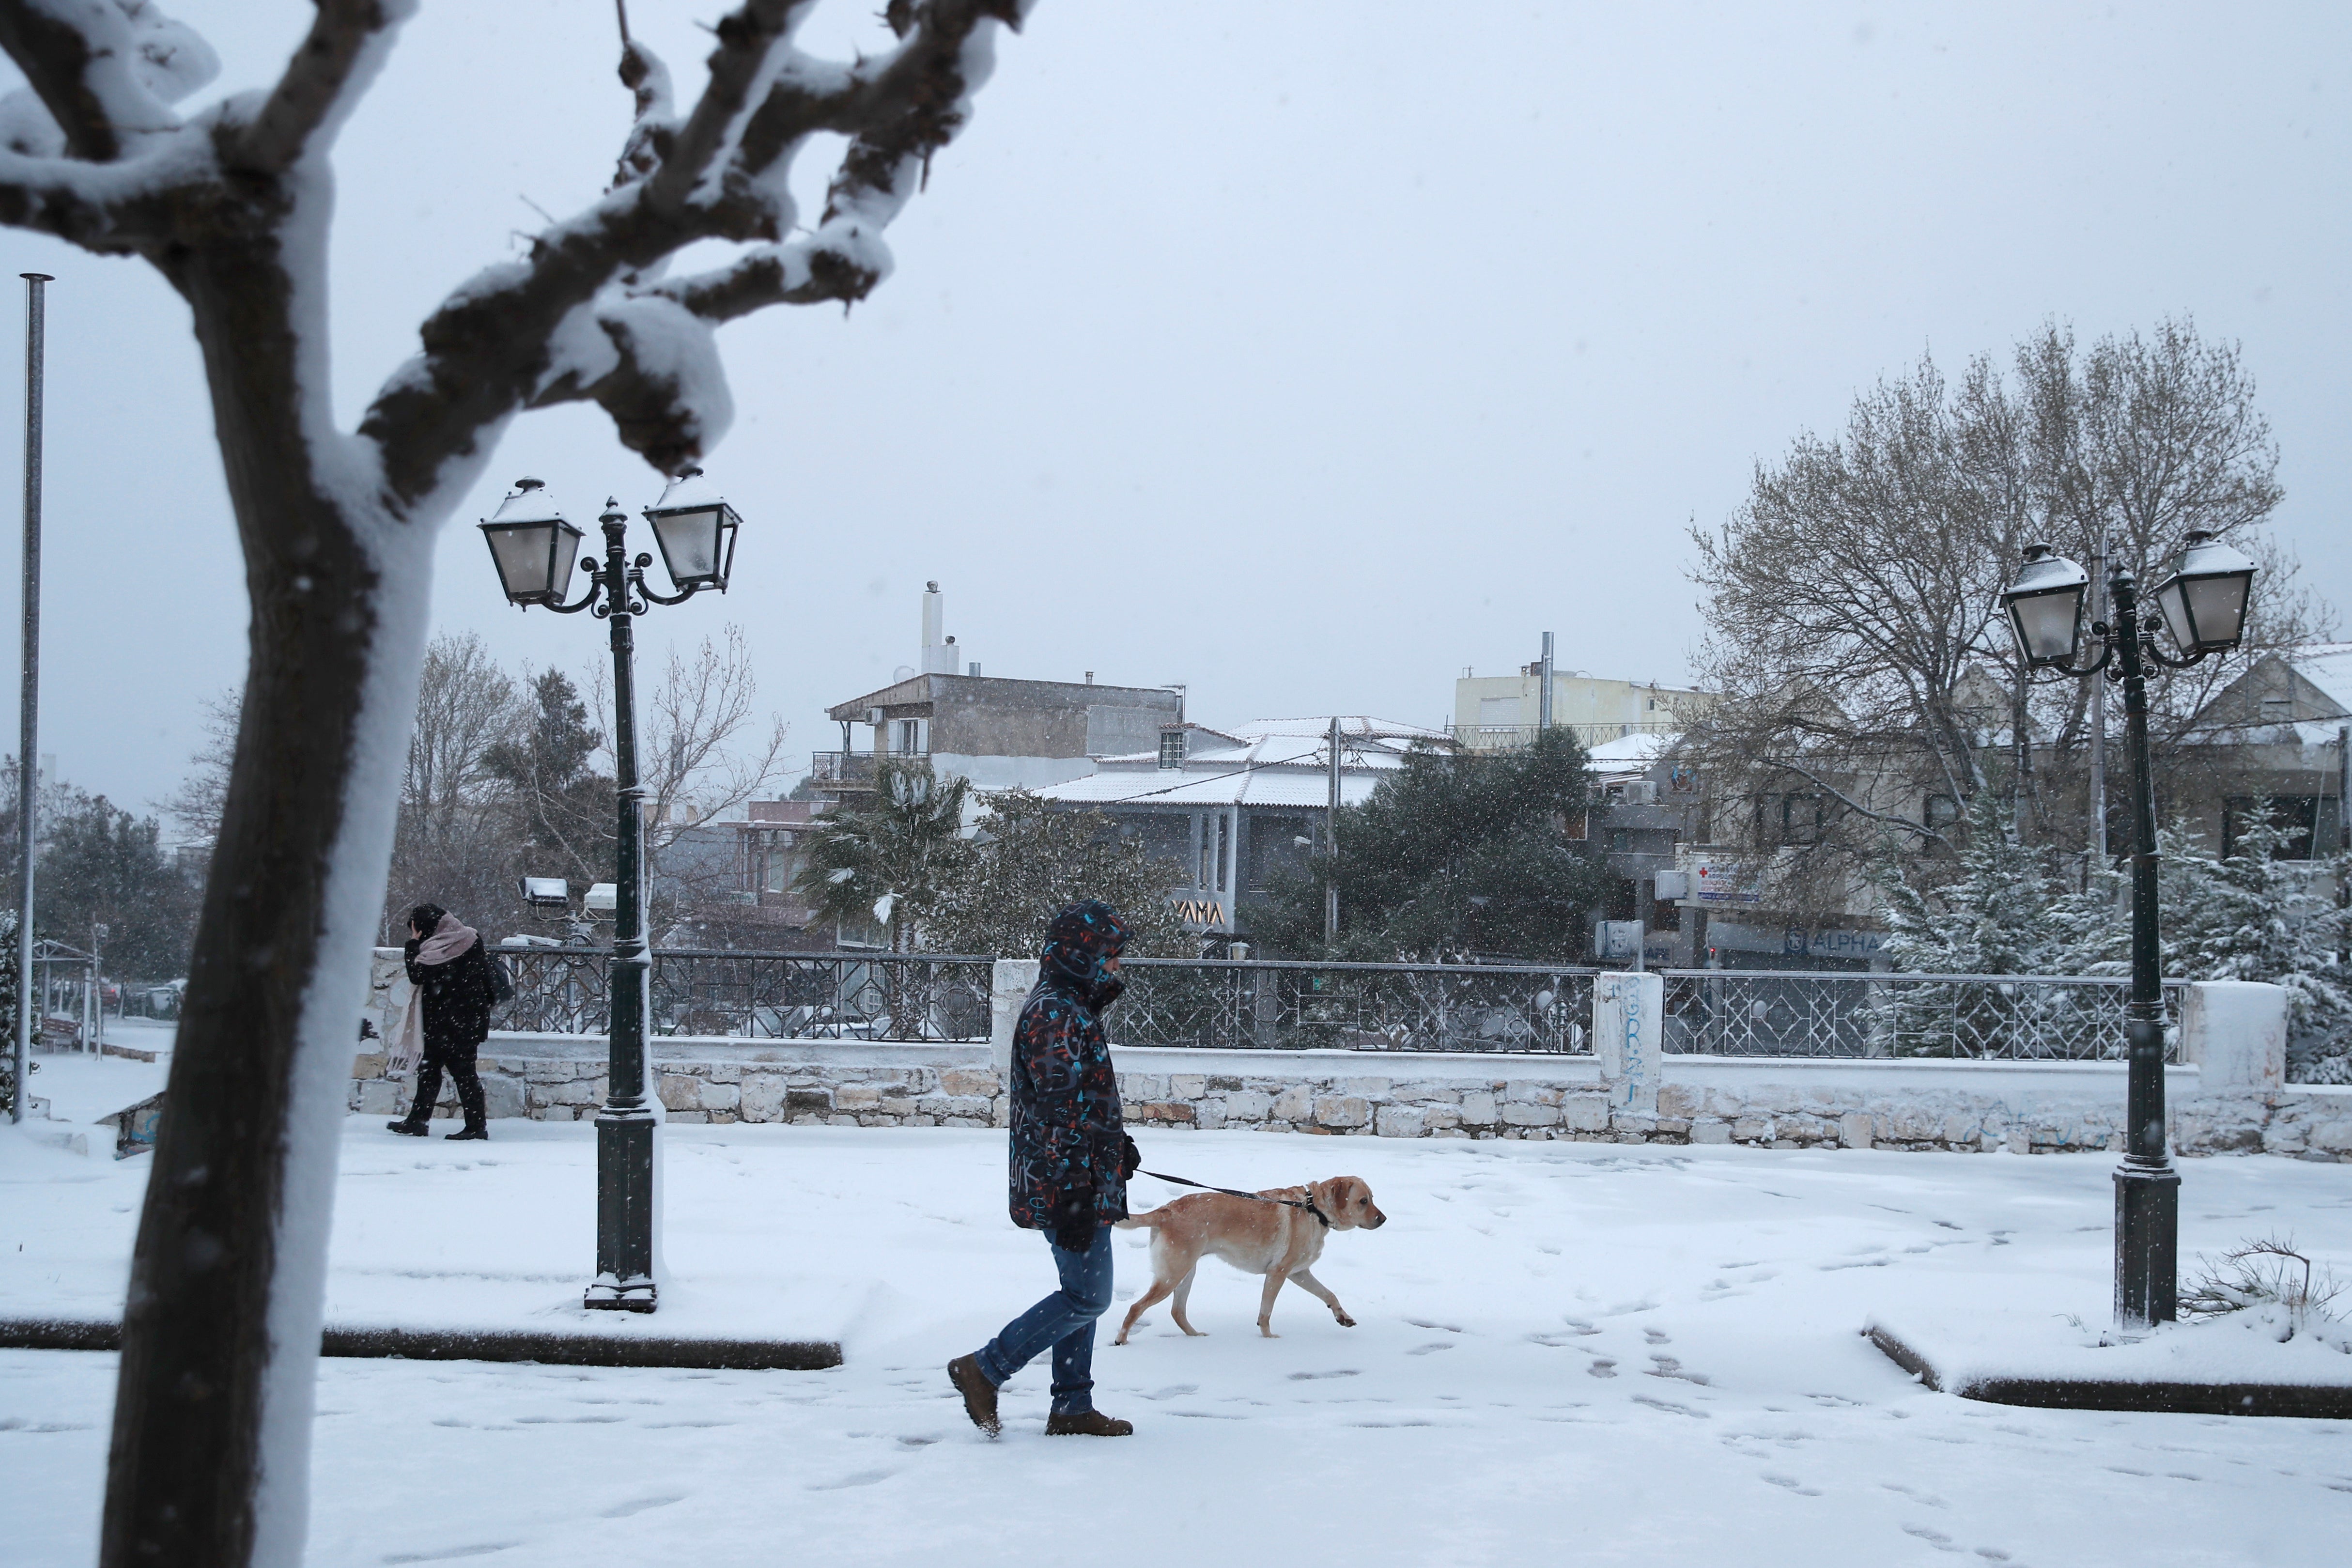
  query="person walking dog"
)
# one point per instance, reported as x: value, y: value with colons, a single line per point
x: 456, y: 984
x: 1070, y: 1158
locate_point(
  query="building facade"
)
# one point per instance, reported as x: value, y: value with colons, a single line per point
x: 1236, y: 809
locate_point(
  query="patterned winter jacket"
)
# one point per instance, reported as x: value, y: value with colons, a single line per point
x: 1066, y: 1131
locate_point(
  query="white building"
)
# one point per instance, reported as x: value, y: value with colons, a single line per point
x: 1235, y: 807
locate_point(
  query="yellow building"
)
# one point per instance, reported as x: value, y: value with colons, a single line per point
x: 1493, y: 711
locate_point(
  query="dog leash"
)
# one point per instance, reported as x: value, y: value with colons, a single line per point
x: 1306, y: 1202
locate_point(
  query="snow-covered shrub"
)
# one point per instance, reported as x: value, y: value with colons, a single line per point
x: 2277, y: 1284
x: 2250, y: 915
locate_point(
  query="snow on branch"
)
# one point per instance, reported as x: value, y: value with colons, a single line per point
x: 105, y: 71
x: 320, y: 81
x: 586, y: 318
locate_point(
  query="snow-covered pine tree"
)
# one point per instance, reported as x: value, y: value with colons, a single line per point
x: 2251, y: 915
x: 1992, y: 916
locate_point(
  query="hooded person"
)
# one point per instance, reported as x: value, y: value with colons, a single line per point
x: 1069, y: 1161
x: 455, y: 991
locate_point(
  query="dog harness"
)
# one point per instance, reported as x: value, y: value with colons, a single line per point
x: 1306, y: 1202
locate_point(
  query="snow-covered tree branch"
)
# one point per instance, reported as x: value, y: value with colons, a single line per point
x: 231, y: 203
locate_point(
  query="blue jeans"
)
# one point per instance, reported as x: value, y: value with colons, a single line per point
x: 1066, y: 1321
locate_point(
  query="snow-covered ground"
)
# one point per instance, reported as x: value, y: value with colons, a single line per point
x: 1574, y: 1351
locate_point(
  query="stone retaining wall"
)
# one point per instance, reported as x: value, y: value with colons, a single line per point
x: 2023, y: 1108
x: 2232, y: 1101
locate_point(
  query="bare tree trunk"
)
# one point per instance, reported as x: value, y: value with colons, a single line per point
x: 220, y: 1279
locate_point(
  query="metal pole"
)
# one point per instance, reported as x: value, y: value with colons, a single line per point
x: 2147, y: 1189
x: 29, y: 700
x: 1543, y: 698
x: 2098, y: 844
x: 1331, y: 839
x: 625, y: 1126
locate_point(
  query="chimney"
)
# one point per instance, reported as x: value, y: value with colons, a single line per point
x: 939, y: 651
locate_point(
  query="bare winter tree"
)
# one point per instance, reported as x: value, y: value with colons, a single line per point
x: 196, y: 803
x: 232, y: 204
x: 1871, y: 687
x: 705, y: 753
x: 455, y: 843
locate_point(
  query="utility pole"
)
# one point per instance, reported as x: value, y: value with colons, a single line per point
x: 1332, y: 838
x: 29, y: 700
x: 1543, y: 698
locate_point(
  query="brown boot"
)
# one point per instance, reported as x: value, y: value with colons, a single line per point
x: 1088, y: 1424
x: 979, y: 1393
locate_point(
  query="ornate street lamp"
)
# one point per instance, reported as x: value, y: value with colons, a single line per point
x: 2210, y: 586
x: 534, y: 548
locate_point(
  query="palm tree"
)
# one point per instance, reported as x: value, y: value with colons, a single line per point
x: 889, y: 855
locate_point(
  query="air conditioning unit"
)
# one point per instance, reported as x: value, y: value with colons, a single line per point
x: 1672, y: 885
x: 874, y: 717
x: 1641, y: 792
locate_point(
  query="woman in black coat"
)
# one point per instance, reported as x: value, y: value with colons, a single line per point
x: 455, y: 993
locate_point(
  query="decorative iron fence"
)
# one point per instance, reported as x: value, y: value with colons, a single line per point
x: 1981, y: 1017
x: 1263, y: 1005
x: 762, y: 996
x: 1260, y: 1004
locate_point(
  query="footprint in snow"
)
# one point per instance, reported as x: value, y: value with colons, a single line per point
x: 1424, y: 1323
x: 1935, y: 1538
x: 1790, y: 1483
x: 854, y: 1479
x: 1930, y: 1499
x: 1175, y: 1390
x: 1603, y: 1367
x: 451, y: 1554
x: 623, y: 1510
x: 1424, y: 1350
x: 1667, y: 1366
x: 1658, y: 1336
x: 1670, y: 1406
x: 1313, y: 1376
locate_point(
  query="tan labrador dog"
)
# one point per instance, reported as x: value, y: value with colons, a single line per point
x: 1269, y: 1238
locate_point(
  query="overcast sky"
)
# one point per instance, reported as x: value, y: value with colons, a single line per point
x: 1306, y: 353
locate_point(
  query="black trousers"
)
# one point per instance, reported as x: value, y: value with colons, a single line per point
x: 459, y: 1062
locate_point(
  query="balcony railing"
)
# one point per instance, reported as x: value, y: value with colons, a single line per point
x: 1513, y: 736
x: 842, y: 770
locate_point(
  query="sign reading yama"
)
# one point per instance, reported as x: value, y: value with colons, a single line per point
x: 1202, y: 913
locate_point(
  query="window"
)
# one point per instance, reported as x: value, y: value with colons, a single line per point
x: 2278, y: 710
x: 1793, y: 818
x: 1171, y: 748
x: 908, y: 737
x: 2297, y: 816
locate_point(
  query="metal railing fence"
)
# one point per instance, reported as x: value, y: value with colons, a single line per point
x: 1979, y: 1017
x: 1276, y: 1005
x: 761, y: 995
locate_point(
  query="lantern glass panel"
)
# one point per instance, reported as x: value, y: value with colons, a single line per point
x: 2217, y: 606
x: 2048, y: 624
x: 689, y: 544
x: 524, y: 554
x: 2172, y: 602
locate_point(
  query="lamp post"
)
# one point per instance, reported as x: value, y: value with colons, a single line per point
x: 2203, y: 606
x: 534, y: 547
